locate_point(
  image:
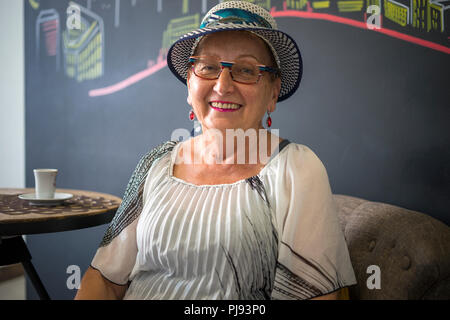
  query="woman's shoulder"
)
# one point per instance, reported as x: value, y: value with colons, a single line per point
x: 299, y: 159
x: 154, y: 154
x: 159, y: 150
x: 163, y: 147
x: 298, y: 152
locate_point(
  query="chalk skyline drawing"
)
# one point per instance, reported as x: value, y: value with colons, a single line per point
x: 299, y: 9
x: 421, y: 22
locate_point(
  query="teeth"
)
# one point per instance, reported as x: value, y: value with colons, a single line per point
x: 225, y: 105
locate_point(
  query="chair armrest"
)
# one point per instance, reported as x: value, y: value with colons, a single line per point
x: 411, y: 249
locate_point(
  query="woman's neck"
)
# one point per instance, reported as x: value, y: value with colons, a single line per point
x: 232, y: 146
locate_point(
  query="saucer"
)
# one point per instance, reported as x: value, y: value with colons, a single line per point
x: 57, y: 199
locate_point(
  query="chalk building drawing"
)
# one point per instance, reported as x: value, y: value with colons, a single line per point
x: 438, y: 14
x: 350, y: 6
x: 48, y: 24
x: 34, y: 4
x: 84, y: 48
x: 177, y: 27
x: 296, y: 4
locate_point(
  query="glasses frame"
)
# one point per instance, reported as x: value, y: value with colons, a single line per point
x: 229, y: 65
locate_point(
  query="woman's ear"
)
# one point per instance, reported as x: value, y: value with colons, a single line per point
x: 276, y: 88
x: 188, y: 99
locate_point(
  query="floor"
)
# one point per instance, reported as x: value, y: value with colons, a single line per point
x: 13, y: 289
x: 12, y: 282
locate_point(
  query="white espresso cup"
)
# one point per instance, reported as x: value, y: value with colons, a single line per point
x: 45, y: 183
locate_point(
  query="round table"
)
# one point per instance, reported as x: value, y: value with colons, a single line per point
x: 19, y: 217
x: 86, y: 209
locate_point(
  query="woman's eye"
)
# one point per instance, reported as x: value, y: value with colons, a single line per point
x: 246, y: 70
x: 207, y: 67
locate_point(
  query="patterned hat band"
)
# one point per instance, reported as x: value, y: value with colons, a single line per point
x: 242, y: 16
x: 235, y: 16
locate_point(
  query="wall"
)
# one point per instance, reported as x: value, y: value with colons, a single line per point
x: 12, y: 95
x: 12, y: 103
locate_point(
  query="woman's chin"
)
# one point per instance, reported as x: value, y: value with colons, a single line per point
x: 221, y: 124
x: 232, y: 127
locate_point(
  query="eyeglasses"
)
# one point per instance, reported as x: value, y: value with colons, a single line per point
x: 245, y: 72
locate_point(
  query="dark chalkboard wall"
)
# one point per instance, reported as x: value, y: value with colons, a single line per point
x: 372, y: 106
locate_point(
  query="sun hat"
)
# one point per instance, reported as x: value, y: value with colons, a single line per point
x: 242, y: 15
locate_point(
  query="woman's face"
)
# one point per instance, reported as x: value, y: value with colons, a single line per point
x: 254, y: 100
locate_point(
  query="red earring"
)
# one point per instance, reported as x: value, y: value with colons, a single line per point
x: 269, y: 120
x: 191, y: 115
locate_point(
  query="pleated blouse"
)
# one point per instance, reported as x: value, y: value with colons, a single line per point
x: 275, y: 235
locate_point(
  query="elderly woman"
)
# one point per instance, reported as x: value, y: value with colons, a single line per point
x: 210, y: 219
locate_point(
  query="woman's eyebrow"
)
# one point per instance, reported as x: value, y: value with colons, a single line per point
x: 242, y: 56
x: 247, y: 56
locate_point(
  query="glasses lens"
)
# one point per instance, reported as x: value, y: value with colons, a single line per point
x: 245, y: 72
x: 207, y: 68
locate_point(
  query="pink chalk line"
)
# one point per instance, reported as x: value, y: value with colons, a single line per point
x: 358, y: 24
x: 152, y: 68
x: 161, y: 61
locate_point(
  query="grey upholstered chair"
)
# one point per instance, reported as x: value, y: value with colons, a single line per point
x: 411, y: 249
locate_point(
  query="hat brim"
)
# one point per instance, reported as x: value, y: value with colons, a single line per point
x: 287, y: 50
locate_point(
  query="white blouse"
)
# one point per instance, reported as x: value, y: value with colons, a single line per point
x: 273, y: 236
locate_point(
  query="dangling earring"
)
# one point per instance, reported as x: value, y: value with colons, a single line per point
x: 191, y: 115
x: 269, y: 120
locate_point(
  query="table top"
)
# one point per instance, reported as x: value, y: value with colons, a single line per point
x: 86, y: 209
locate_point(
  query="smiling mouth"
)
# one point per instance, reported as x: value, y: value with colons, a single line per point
x: 225, y: 106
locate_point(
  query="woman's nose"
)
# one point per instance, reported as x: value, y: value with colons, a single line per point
x: 224, y: 84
